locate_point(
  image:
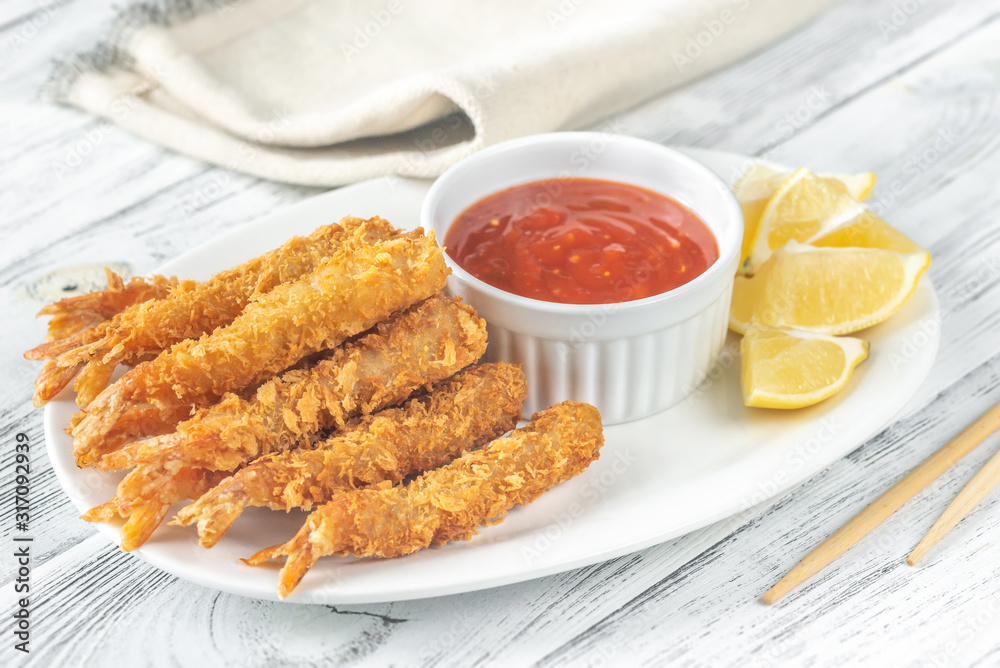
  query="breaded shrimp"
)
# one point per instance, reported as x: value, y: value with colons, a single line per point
x: 76, y: 318
x: 361, y: 284
x: 462, y: 413
x: 197, y: 308
x: 427, y: 343
x: 450, y: 502
x: 413, y: 349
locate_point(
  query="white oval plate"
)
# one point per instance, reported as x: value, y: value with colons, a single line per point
x: 704, y: 460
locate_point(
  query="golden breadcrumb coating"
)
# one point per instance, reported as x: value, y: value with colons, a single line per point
x: 407, y: 353
x: 194, y: 309
x: 411, y: 350
x: 462, y: 413
x: 448, y: 503
x: 361, y: 284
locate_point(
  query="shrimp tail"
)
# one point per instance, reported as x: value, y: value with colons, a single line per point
x: 228, y: 501
x: 51, y: 380
x: 142, y: 523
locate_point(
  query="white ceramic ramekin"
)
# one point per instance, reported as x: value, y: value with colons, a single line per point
x: 631, y: 359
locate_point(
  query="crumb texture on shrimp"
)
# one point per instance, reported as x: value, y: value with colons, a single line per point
x: 361, y: 284
x: 448, y: 503
x: 424, y: 344
x: 462, y: 413
x: 411, y: 350
x: 193, y: 309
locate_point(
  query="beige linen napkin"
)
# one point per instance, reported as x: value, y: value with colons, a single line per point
x: 328, y: 92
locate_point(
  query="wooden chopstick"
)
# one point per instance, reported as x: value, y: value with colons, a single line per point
x: 887, y: 504
x: 970, y: 496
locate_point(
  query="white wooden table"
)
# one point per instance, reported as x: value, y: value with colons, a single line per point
x: 905, y: 88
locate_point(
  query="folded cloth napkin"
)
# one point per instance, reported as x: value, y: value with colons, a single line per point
x: 328, y: 92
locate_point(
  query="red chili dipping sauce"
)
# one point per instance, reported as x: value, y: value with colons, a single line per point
x: 581, y: 241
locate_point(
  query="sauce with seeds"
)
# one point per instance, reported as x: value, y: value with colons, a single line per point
x: 581, y: 241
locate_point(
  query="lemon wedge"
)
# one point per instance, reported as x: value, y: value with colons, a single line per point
x: 827, y: 290
x: 794, y: 369
x: 805, y: 206
x: 759, y: 183
x: 868, y: 231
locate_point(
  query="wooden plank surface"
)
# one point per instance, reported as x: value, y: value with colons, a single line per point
x: 869, y: 86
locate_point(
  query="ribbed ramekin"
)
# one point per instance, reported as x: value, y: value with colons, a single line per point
x: 629, y: 359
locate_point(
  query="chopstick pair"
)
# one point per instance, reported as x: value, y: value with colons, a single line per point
x: 897, y: 496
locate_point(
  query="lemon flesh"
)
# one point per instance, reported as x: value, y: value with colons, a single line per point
x: 826, y: 290
x: 803, y: 207
x: 794, y: 369
x: 868, y: 231
x: 759, y: 183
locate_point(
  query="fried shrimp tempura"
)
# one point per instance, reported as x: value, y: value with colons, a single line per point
x: 196, y: 308
x: 448, y: 503
x: 411, y: 350
x: 462, y: 413
x: 76, y: 318
x: 424, y: 344
x: 361, y: 284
